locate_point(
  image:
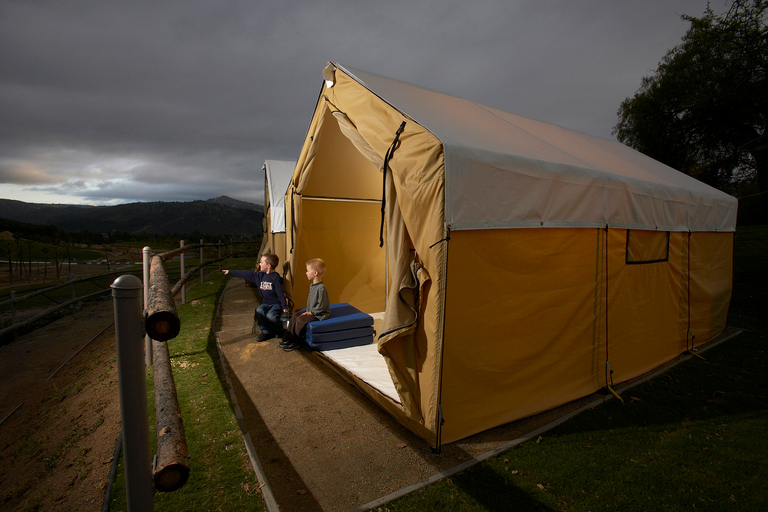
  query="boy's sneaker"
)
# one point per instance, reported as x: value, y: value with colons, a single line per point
x: 263, y: 337
x: 288, y: 346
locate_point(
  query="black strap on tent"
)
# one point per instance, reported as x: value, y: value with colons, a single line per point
x: 446, y: 239
x: 387, y: 158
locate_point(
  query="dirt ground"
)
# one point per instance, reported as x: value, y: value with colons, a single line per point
x: 60, y: 416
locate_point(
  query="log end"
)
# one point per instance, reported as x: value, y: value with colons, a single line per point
x: 171, y: 477
x: 163, y: 325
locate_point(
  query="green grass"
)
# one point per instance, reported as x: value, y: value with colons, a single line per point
x: 221, y: 477
x: 691, y: 439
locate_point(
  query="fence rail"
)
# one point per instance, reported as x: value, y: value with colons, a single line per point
x: 157, y: 322
x: 30, y: 310
x: 161, y: 323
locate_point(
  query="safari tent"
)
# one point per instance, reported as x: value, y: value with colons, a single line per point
x: 511, y: 265
x: 277, y: 176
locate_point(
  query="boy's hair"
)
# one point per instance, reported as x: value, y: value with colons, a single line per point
x: 318, y: 265
x: 271, y: 259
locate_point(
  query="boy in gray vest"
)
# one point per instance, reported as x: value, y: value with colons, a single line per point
x: 318, y: 307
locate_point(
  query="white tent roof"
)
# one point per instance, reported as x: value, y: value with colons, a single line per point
x: 506, y: 171
x: 279, y: 174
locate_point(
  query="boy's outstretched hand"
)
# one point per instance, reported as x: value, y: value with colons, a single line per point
x: 225, y: 271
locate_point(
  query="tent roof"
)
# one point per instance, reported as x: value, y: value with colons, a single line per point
x: 279, y: 174
x: 506, y: 171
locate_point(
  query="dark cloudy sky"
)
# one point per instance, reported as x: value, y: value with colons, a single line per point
x: 107, y: 102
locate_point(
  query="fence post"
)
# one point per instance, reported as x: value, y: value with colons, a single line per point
x: 219, y: 257
x: 202, y: 269
x: 14, y: 318
x: 146, y: 252
x: 129, y: 330
x: 183, y: 271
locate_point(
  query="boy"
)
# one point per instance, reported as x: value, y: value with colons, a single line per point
x: 318, y: 307
x: 270, y: 286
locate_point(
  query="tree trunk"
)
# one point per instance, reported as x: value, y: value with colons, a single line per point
x: 760, y: 153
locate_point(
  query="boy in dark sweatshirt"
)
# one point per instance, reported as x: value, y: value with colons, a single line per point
x: 270, y: 285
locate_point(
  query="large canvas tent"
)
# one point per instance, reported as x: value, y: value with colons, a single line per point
x: 512, y: 265
x: 277, y: 176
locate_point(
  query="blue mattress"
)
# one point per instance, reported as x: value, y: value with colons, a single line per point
x: 323, y: 337
x: 346, y: 327
x: 343, y: 316
x: 333, y: 345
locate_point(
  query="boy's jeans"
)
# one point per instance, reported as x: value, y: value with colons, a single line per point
x: 268, y: 318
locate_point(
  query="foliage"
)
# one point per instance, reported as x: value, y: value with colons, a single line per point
x: 28, y: 250
x: 220, y: 219
x: 704, y: 110
x: 50, y: 234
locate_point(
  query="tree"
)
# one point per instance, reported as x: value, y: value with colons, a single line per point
x: 705, y: 108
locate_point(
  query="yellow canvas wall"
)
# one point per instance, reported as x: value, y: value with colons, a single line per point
x: 643, y: 308
x: 336, y: 217
x: 711, y: 283
x: 344, y: 235
x: 520, y: 332
x: 532, y: 315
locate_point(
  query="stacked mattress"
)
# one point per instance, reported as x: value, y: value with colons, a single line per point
x: 346, y: 327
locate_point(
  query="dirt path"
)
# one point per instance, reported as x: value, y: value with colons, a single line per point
x: 323, y: 445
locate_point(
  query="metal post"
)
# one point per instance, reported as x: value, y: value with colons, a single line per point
x: 129, y: 331
x: 183, y: 271
x: 202, y: 269
x: 146, y: 254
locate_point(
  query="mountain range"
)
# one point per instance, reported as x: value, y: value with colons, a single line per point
x: 219, y: 216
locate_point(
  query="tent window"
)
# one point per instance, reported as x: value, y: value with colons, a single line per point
x: 647, y: 246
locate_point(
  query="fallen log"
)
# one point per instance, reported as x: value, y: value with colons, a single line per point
x: 172, y: 465
x: 162, y: 321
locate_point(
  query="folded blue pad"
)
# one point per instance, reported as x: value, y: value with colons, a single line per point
x: 324, y: 337
x: 346, y: 327
x: 333, y: 345
x: 343, y: 316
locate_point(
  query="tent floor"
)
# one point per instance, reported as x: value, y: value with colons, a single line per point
x: 320, y: 442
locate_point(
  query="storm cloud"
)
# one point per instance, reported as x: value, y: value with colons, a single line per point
x: 113, y: 102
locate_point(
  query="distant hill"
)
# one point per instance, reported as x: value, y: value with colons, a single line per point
x: 219, y: 216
